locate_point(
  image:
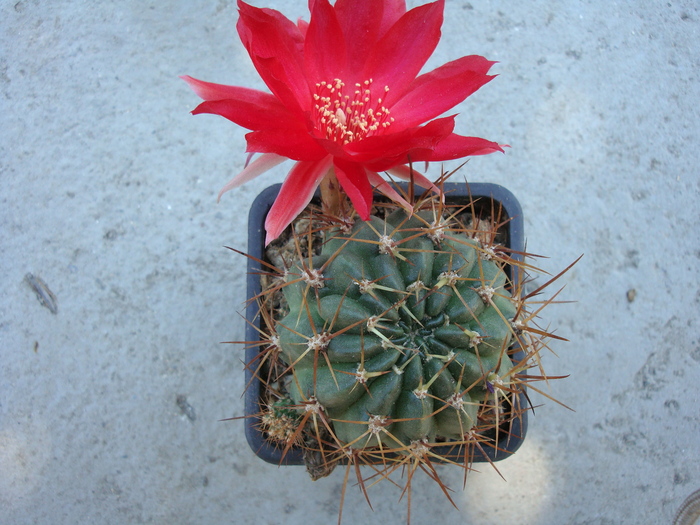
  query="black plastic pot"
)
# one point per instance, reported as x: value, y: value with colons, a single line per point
x: 487, y: 198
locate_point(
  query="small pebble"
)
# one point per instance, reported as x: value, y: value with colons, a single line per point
x: 185, y: 407
x: 41, y: 289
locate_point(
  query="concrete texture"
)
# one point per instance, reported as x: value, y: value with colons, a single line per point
x: 108, y: 194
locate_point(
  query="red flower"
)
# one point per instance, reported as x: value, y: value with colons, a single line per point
x: 346, y: 96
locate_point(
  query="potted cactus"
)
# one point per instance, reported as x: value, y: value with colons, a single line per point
x: 463, y: 314
x: 388, y: 325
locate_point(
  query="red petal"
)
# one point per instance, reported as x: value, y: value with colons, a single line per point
x: 296, y: 192
x: 399, y: 56
x: 257, y: 167
x: 360, y: 21
x: 275, y: 45
x: 432, y: 94
x: 408, y: 173
x: 382, y: 152
x: 354, y: 181
x: 293, y: 145
x: 303, y: 26
x: 388, y: 190
x: 393, y: 10
x: 211, y: 91
x: 456, y: 146
x: 251, y: 115
x: 324, y: 48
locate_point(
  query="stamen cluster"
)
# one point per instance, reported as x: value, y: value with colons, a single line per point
x: 345, y: 118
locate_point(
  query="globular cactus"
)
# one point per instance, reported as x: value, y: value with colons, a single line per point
x: 399, y: 331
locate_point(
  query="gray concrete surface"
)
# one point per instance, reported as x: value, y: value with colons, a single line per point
x: 108, y: 193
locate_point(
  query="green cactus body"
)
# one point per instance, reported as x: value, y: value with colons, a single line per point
x: 398, y: 331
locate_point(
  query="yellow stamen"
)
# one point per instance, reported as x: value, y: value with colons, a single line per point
x: 345, y: 118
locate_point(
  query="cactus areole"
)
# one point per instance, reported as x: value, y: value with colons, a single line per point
x: 400, y: 332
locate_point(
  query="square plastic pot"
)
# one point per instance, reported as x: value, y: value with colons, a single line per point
x: 487, y: 198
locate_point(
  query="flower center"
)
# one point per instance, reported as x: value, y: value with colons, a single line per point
x: 345, y: 118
